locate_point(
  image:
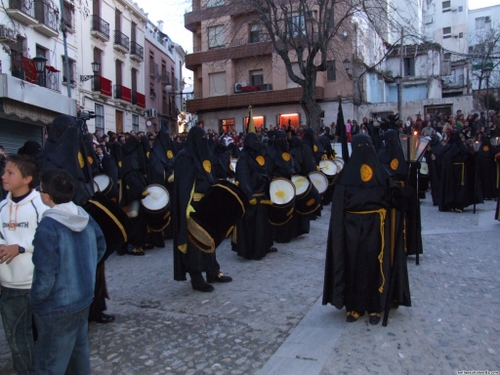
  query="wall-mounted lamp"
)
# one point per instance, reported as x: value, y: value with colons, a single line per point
x: 347, y: 64
x: 95, y: 68
x: 345, y: 34
x: 40, y: 63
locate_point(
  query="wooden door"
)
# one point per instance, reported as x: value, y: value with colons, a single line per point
x: 119, y: 121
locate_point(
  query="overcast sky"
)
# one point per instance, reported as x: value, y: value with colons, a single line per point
x: 171, y: 12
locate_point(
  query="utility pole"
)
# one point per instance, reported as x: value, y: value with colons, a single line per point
x: 400, y: 91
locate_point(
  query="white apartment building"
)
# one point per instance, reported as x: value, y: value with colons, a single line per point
x: 29, y: 100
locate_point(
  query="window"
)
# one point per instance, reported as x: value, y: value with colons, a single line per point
x: 227, y: 125
x: 255, y: 33
x: 99, y: 117
x: 446, y: 6
x: 214, y: 3
x: 256, y: 77
x: 71, y: 63
x: 483, y: 23
x: 446, y: 32
x: 447, y: 57
x: 409, y: 66
x: 297, y: 25
x: 331, y: 73
x: 460, y: 35
x: 68, y: 15
x: 217, y: 84
x: 135, y: 123
x: 460, y: 8
x: 216, y: 36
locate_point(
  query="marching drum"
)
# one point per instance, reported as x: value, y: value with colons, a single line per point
x: 340, y: 164
x: 329, y: 168
x: 216, y: 215
x: 104, y: 183
x: 319, y: 180
x: 424, y: 168
x: 307, y: 197
x: 282, y: 196
x: 157, y: 207
x: 114, y: 222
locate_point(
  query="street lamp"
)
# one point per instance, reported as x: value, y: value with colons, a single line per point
x: 347, y: 67
x: 414, y: 147
x: 487, y: 72
x: 398, y: 80
x: 40, y: 63
x: 95, y: 68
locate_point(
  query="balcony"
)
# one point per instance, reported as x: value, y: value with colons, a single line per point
x: 240, y: 89
x: 259, y: 98
x: 193, y: 60
x: 100, y: 28
x: 123, y: 94
x: 23, y: 11
x: 121, y: 42
x: 47, y: 19
x: 52, y: 78
x: 138, y: 99
x: 102, y: 87
x: 136, y: 52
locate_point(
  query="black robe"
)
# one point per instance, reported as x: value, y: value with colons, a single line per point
x: 487, y: 172
x: 360, y: 237
x: 192, y: 167
x: 253, y: 236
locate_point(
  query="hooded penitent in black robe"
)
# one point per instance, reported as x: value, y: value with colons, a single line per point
x: 453, y: 189
x: 280, y: 164
x: 221, y: 161
x: 65, y: 149
x: 360, y: 239
x: 253, y: 238
x: 193, y: 173
x: 433, y: 156
x: 392, y: 158
x: 161, y: 168
x: 487, y: 169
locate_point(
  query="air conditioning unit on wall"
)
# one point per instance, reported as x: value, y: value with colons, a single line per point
x: 151, y: 113
x: 238, y: 87
x: 7, y: 35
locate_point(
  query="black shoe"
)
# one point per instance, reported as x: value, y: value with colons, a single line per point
x: 272, y: 249
x: 353, y: 315
x: 137, y: 251
x: 148, y: 246
x: 206, y: 288
x: 104, y: 318
x: 220, y: 278
x: 374, y: 319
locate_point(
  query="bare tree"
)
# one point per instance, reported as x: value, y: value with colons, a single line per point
x: 486, y: 54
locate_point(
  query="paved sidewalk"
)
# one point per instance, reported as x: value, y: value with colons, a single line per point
x: 270, y: 320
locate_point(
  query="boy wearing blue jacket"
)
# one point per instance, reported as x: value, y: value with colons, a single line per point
x: 68, y: 244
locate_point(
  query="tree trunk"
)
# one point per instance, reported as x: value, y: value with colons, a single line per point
x: 308, y: 101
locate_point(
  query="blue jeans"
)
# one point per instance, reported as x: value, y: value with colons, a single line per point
x: 17, y: 319
x: 63, y: 344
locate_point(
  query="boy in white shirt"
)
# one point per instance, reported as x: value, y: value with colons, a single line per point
x: 20, y: 214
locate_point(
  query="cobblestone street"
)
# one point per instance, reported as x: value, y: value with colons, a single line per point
x: 270, y: 320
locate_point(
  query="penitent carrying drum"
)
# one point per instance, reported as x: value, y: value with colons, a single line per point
x: 157, y: 207
x: 319, y: 180
x: 114, y: 222
x: 307, y: 198
x: 282, y: 196
x: 216, y: 215
x: 329, y: 168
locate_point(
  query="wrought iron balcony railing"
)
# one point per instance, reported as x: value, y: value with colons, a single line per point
x: 100, y: 26
x: 121, y: 40
x: 136, y: 50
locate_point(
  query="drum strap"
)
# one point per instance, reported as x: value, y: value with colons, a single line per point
x: 113, y: 217
x: 382, y: 212
x: 197, y: 197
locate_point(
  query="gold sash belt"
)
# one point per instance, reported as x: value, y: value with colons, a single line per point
x: 382, y: 213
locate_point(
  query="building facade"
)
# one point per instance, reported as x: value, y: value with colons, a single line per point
x: 30, y: 99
